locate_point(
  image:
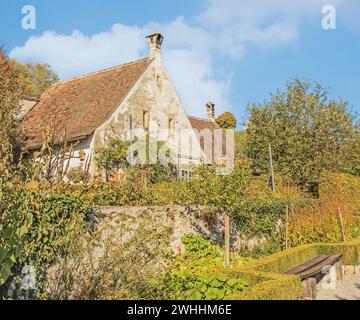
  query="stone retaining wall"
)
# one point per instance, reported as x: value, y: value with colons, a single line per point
x: 181, y: 220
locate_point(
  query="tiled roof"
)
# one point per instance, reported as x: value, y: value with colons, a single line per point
x: 82, y: 104
x: 201, y: 124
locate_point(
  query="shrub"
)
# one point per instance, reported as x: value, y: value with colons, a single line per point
x: 341, y: 187
x: 203, y: 255
x: 200, y: 273
x: 125, y: 192
x: 114, y: 262
x: 114, y: 154
x: 264, y: 275
x: 320, y: 222
x: 54, y: 221
x: 78, y: 175
x: 58, y: 220
x: 185, y: 285
x: 274, y: 287
x: 16, y: 217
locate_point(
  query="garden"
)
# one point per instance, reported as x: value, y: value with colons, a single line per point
x: 314, y: 208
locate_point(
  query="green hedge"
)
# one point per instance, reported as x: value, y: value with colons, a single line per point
x: 282, y: 261
x: 268, y: 286
x: 350, y: 251
x: 265, y: 278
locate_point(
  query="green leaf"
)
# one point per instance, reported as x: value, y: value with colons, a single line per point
x: 214, y: 294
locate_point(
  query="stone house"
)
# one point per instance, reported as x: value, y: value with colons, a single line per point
x: 121, y: 99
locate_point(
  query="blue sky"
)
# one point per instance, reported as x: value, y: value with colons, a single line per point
x: 229, y: 51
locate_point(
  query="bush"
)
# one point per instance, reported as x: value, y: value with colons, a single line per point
x: 200, y: 273
x: 265, y: 278
x: 16, y: 217
x: 58, y: 220
x: 256, y: 211
x: 78, y: 175
x: 185, y: 285
x: 108, y: 264
x: 320, y: 222
x: 125, y: 192
x: 269, y: 287
x: 341, y: 187
x: 53, y: 221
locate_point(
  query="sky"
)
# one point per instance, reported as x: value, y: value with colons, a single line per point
x: 230, y: 52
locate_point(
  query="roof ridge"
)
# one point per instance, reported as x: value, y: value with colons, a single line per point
x: 103, y: 71
x: 30, y: 98
x: 202, y: 119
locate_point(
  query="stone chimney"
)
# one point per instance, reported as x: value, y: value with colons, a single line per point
x: 155, y: 41
x: 210, y: 110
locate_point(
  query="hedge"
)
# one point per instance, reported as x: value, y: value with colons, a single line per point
x: 267, y: 286
x: 265, y: 275
x: 341, y: 186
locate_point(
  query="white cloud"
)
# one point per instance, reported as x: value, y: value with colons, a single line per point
x: 186, y: 54
x: 191, y: 47
x: 263, y: 23
x: 220, y: 13
x: 194, y: 81
x: 75, y: 54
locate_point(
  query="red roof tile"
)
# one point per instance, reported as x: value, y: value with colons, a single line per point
x: 82, y: 104
x: 201, y: 124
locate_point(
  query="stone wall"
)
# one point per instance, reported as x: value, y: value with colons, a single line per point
x: 181, y: 220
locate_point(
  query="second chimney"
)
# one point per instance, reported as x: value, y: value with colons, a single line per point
x: 210, y: 110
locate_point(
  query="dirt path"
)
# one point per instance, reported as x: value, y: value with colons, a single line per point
x: 348, y: 290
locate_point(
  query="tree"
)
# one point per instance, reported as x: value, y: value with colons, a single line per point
x: 10, y: 135
x: 52, y: 162
x: 308, y: 134
x: 34, y: 78
x: 113, y: 156
x: 15, y: 214
x: 240, y: 141
x: 226, y: 121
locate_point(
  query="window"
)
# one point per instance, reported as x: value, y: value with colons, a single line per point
x: 202, y: 143
x: 186, y: 175
x: 171, y: 124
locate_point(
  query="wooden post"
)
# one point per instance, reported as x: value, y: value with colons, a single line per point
x: 342, y: 224
x: 227, y: 240
x: 286, y: 227
x: 272, y: 169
